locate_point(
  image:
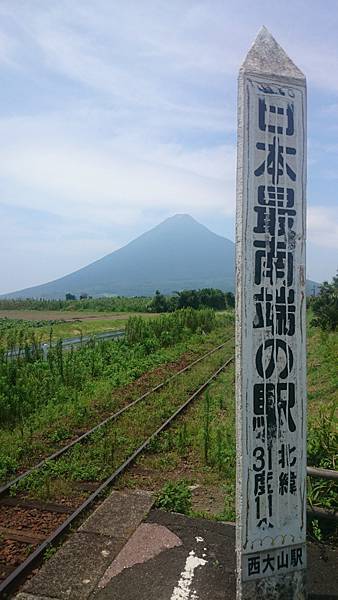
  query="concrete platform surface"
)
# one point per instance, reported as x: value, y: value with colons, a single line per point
x: 73, y: 572
x: 201, y: 567
x: 125, y: 552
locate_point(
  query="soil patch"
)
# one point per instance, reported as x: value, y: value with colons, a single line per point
x: 56, y: 315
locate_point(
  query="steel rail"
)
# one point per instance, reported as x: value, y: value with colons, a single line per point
x: 4, y: 488
x: 28, y: 563
x: 316, y: 512
x: 322, y: 473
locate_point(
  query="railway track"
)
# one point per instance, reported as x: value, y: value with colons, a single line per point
x: 6, y: 487
x: 48, y: 522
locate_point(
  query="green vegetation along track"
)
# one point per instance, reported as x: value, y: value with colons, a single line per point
x: 54, y: 533
x: 6, y: 487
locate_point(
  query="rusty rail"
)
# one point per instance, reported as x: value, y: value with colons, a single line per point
x: 4, y: 489
x: 322, y: 473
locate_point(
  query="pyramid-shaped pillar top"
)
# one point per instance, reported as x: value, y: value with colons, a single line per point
x: 267, y: 57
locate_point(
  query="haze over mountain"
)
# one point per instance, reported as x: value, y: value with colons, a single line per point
x: 177, y: 254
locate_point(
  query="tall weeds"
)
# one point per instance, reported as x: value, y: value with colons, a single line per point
x: 28, y: 382
x: 110, y: 304
x: 170, y: 328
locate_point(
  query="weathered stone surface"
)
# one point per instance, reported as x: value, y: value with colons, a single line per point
x: 157, y: 570
x: 282, y: 587
x: 267, y: 57
x: 24, y: 596
x: 156, y: 578
x: 120, y: 514
x: 149, y: 540
x: 322, y: 572
x: 270, y: 324
x: 75, y: 569
x: 202, y: 566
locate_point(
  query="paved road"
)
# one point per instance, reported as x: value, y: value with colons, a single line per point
x: 107, y: 335
x: 74, y: 342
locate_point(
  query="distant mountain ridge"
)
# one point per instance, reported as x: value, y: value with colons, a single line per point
x: 177, y: 254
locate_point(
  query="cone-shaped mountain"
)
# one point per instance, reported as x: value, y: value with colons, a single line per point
x: 177, y: 254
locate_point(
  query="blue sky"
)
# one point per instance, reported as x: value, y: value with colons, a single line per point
x: 117, y: 114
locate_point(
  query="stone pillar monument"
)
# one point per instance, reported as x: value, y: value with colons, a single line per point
x: 271, y: 330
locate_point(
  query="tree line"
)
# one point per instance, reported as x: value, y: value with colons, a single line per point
x: 204, y: 298
x: 325, y: 306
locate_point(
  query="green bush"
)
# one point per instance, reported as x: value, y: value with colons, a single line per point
x: 325, y: 306
x: 197, y: 299
x: 170, y: 328
x: 175, y: 497
x: 7, y: 465
x: 110, y: 304
x: 28, y: 382
x: 322, y: 452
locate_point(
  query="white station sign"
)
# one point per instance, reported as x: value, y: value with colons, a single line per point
x: 272, y: 330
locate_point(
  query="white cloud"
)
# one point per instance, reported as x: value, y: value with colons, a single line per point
x: 128, y: 111
x: 323, y: 227
x: 116, y: 179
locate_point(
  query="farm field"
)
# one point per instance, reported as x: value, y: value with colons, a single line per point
x: 54, y: 325
x: 90, y: 305
x: 65, y: 316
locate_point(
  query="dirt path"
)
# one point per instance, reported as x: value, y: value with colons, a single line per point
x: 56, y: 315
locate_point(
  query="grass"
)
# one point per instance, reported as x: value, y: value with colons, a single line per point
x: 198, y: 451
x: 102, y: 304
x: 175, y: 497
x: 200, y: 447
x: 322, y: 372
x: 111, y: 445
x: 322, y: 423
x: 64, y: 410
x: 82, y: 328
x: 53, y: 327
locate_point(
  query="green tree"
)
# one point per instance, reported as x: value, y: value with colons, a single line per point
x: 230, y: 299
x: 159, y: 303
x: 172, y: 303
x: 188, y: 298
x: 204, y: 298
x: 212, y: 298
x: 325, y: 306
